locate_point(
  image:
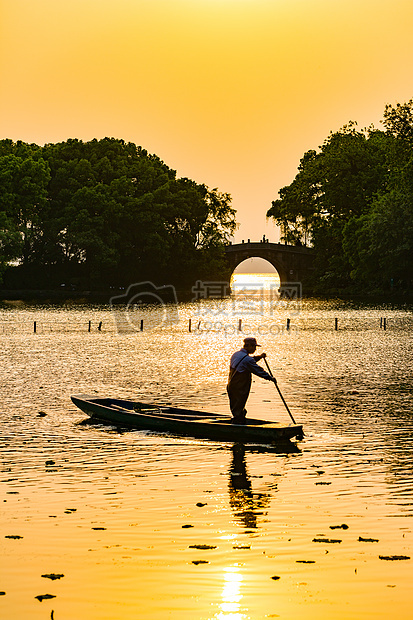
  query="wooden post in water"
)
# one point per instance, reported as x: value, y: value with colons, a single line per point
x: 141, y: 325
x: 288, y: 325
x: 384, y: 323
x: 90, y: 326
x: 381, y: 322
x: 100, y: 326
x: 190, y: 324
x: 240, y: 325
x: 34, y: 327
x: 199, y: 325
x: 336, y: 324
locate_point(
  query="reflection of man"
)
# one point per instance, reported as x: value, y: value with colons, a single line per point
x: 243, y: 501
x: 242, y: 366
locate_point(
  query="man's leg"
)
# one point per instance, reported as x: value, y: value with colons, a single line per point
x: 237, y: 402
x: 238, y: 390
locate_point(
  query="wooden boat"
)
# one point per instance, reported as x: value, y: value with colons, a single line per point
x: 185, y: 421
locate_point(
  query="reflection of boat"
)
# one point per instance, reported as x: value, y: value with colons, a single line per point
x: 281, y: 448
x: 184, y: 421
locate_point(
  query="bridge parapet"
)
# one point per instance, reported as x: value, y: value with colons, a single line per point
x: 266, y: 245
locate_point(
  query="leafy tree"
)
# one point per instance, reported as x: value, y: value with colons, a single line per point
x: 342, y: 196
x: 107, y: 212
x: 23, y: 197
x: 398, y: 121
x: 379, y: 245
x: 297, y: 206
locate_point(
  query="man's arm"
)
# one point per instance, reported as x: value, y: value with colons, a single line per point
x: 260, y: 357
x: 257, y: 370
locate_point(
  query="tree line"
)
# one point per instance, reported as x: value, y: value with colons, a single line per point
x: 352, y: 201
x: 105, y: 213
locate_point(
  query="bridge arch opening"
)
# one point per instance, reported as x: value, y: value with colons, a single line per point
x: 255, y: 273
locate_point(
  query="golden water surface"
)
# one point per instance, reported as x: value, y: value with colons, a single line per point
x: 133, y: 524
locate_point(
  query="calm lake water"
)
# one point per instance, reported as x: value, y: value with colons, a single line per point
x: 150, y: 526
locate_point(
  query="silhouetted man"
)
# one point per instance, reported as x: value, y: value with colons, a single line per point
x: 242, y: 366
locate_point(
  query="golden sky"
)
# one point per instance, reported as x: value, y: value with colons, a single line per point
x: 230, y: 93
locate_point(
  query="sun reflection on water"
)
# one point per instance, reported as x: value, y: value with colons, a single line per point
x: 254, y: 282
x: 231, y: 595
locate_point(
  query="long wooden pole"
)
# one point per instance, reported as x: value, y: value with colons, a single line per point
x: 279, y: 392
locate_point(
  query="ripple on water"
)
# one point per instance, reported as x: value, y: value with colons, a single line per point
x: 261, y: 511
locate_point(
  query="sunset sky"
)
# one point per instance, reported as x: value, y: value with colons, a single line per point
x: 229, y: 93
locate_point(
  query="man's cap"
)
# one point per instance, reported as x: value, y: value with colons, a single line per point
x: 251, y: 341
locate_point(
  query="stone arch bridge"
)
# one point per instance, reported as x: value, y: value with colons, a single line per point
x: 293, y: 263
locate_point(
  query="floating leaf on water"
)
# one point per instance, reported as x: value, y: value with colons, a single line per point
x: 202, y: 546
x: 305, y: 561
x: 343, y: 526
x: 53, y: 576
x: 43, y: 597
x: 14, y: 536
x: 50, y: 462
x: 98, y: 528
x: 201, y: 504
x: 186, y: 526
x: 2, y: 594
x: 361, y: 539
x: 196, y: 562
x: 242, y: 547
x: 275, y: 577
x: 327, y: 540
x: 394, y: 557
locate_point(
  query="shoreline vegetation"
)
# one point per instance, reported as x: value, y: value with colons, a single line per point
x: 98, y: 216
x: 184, y: 295
x: 105, y: 213
x: 353, y: 202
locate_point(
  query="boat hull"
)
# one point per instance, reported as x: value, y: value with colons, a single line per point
x: 184, y: 421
